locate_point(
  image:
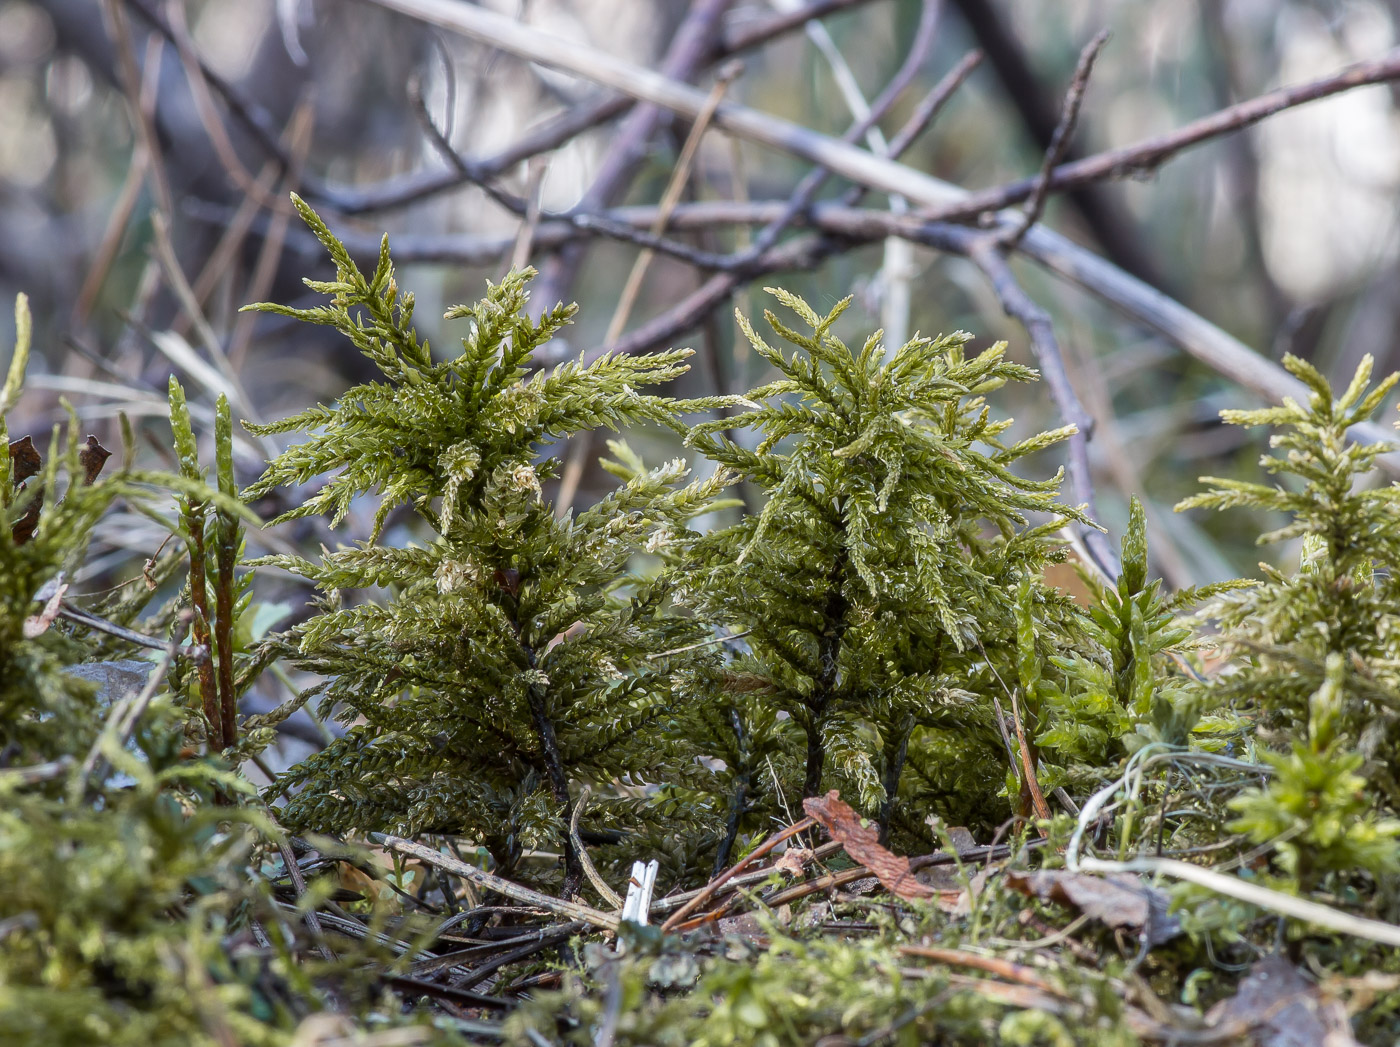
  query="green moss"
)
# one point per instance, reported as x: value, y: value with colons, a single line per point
x: 561, y: 693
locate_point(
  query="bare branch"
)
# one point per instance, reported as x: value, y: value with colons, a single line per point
x: 1151, y: 153
x: 684, y: 59
x: 741, y: 267
x: 1059, y: 141
x: 557, y: 130
x: 932, y: 104
x: 987, y: 254
x: 763, y: 32
x: 656, y: 88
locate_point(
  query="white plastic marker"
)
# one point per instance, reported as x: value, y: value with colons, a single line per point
x: 638, y: 904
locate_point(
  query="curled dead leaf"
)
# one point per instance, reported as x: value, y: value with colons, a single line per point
x: 93, y: 456
x: 862, y: 842
x: 38, y: 624
x: 794, y: 861
x: 24, y: 460
x: 1276, y: 1006
x: 1117, y: 900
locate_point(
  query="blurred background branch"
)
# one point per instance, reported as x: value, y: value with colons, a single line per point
x: 147, y: 148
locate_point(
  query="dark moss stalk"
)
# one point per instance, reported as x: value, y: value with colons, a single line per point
x: 738, y: 799
x: 536, y: 696
x: 827, y: 683
x: 226, y: 558
x: 895, y: 755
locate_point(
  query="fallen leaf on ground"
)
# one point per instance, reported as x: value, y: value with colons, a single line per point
x: 1117, y: 900
x: 793, y: 861
x: 861, y: 841
x: 1277, y: 1007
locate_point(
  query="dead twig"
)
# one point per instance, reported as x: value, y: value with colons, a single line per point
x: 924, y: 114
x: 680, y: 175
x: 313, y: 922
x: 768, y: 29
x: 1059, y: 142
x: 102, y: 625
x: 572, y: 910
x: 521, y: 952
x: 253, y: 118
x: 685, y: 58
x: 140, y: 91
x: 1149, y: 154
x: 741, y: 268
x: 270, y: 254
x: 1042, y: 809
x: 599, y: 884
x: 555, y: 131
x: 719, y: 881
x: 525, y: 239
x: 209, y: 118
x: 1012, y: 972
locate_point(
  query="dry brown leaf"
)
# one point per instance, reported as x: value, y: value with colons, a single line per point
x: 93, y: 456
x: 862, y: 842
x: 24, y: 460
x: 794, y: 861
x: 1277, y: 1007
x: 1118, y: 900
x: 24, y: 463
x: 383, y: 897
x: 38, y: 624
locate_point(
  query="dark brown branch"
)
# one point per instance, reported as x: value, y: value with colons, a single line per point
x: 1112, y: 226
x: 1151, y: 153
x: 741, y: 268
x: 225, y: 558
x: 200, y: 627
x: 1059, y: 141
x: 685, y: 59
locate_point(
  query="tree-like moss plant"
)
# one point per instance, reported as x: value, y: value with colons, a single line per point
x: 507, y: 663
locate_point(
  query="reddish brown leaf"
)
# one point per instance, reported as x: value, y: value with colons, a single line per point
x: 24, y: 460
x: 1118, y: 901
x: 93, y: 456
x: 508, y: 579
x: 862, y: 842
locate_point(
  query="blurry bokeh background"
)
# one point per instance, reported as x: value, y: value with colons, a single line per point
x: 136, y: 260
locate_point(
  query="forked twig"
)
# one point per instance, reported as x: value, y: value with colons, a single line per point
x: 719, y: 881
x: 1059, y: 141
